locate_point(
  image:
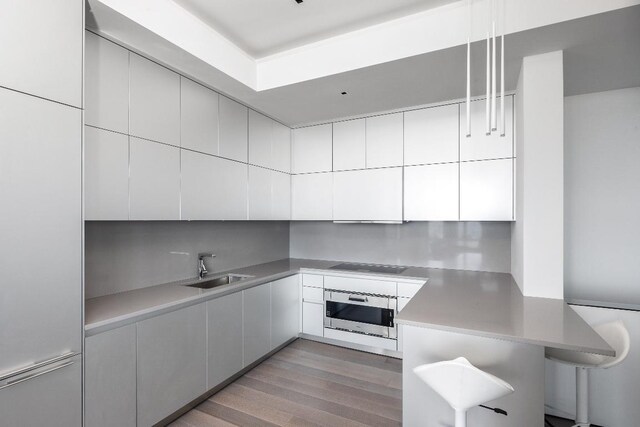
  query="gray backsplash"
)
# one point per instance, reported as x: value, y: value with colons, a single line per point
x: 121, y: 256
x: 480, y: 246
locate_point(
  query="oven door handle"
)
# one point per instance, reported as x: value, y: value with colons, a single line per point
x: 358, y: 298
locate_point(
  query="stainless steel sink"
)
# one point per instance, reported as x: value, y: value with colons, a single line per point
x: 218, y: 281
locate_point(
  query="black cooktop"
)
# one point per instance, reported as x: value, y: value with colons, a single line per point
x: 369, y: 268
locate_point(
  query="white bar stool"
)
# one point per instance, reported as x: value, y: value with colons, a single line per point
x: 617, y: 336
x: 462, y: 385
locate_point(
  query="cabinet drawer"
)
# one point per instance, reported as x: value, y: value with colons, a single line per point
x: 312, y: 294
x: 314, y: 280
x: 368, y: 286
x: 312, y: 318
x: 368, y: 340
x: 408, y: 290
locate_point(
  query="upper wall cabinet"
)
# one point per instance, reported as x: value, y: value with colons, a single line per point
x: 269, y: 143
x: 106, y: 84
x: 480, y: 146
x: 106, y: 175
x: 154, y: 186
x: 349, y: 145
x: 233, y: 130
x: 41, y: 45
x: 154, y: 101
x: 431, y: 135
x: 312, y: 149
x: 431, y: 192
x: 198, y: 117
x: 269, y: 194
x: 384, y: 140
x: 368, y: 195
x: 312, y: 197
x: 486, y: 190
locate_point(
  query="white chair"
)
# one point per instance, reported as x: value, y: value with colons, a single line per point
x: 462, y: 385
x: 617, y: 336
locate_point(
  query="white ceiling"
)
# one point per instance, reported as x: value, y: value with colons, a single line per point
x: 265, y: 27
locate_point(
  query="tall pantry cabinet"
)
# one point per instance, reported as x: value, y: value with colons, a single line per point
x: 41, y: 215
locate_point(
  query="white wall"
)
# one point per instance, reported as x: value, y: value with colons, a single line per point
x: 613, y: 392
x: 602, y: 197
x: 537, y: 234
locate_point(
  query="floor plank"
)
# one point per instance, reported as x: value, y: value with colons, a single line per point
x: 308, y: 384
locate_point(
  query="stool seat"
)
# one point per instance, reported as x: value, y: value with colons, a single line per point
x: 462, y: 385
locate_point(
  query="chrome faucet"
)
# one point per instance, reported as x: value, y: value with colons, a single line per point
x: 202, y: 269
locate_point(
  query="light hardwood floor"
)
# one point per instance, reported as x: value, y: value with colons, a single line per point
x: 308, y: 384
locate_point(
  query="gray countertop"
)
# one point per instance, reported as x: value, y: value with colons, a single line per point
x: 477, y: 303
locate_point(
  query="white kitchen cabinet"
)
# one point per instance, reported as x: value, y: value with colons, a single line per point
x: 110, y: 378
x: 285, y: 310
x: 431, y: 192
x: 259, y: 193
x: 198, y: 117
x: 260, y: 137
x: 106, y: 84
x: 280, y: 196
x: 171, y: 362
x: 384, y: 140
x: 486, y: 190
x: 197, y: 184
x: 224, y: 320
x: 229, y: 189
x: 481, y: 146
x: 313, y: 318
x: 402, y: 302
x: 154, y: 186
x: 256, y: 322
x: 233, y: 130
x: 41, y: 44
x: 431, y: 135
x: 349, y: 145
x: 312, y: 149
x: 106, y: 175
x: 312, y: 197
x: 368, y: 195
x: 281, y: 147
x: 154, y: 101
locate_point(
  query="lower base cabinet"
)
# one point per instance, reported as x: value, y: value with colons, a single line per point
x: 172, y: 362
x: 257, y: 322
x: 224, y: 321
x: 313, y: 318
x: 285, y: 310
x: 110, y: 378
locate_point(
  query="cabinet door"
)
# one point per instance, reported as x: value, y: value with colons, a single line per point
x: 312, y: 197
x: 486, y: 190
x: 401, y: 303
x: 257, y: 322
x: 280, y: 196
x: 384, y: 140
x: 198, y: 117
x: 281, y: 148
x: 233, y: 130
x: 41, y: 45
x: 106, y: 83
x: 259, y: 193
x: 349, y: 145
x: 313, y: 318
x: 285, y: 310
x: 481, y: 146
x: 431, y: 135
x: 154, y: 186
x: 106, y: 175
x: 229, y: 189
x: 431, y: 192
x: 110, y: 378
x: 154, y: 101
x: 40, y: 197
x: 172, y: 362
x: 52, y: 399
x: 368, y: 195
x: 224, y: 320
x: 197, y: 184
x: 260, y: 135
x: 312, y: 149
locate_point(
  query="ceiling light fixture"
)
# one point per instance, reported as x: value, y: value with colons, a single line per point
x: 343, y: 93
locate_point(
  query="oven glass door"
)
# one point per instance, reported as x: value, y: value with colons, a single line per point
x: 367, y: 314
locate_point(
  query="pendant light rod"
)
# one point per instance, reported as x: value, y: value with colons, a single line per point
x: 468, y: 103
x: 488, y: 99
x: 494, y: 118
x: 502, y: 121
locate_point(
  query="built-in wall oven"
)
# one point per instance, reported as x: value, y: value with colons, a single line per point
x: 362, y: 313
